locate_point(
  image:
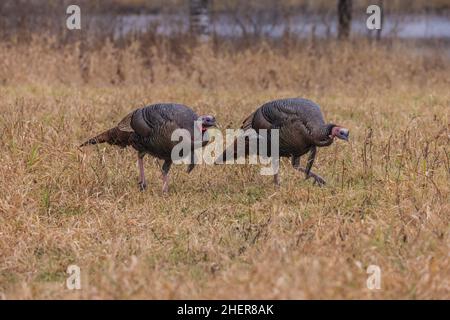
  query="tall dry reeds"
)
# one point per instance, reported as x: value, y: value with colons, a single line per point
x: 300, y: 65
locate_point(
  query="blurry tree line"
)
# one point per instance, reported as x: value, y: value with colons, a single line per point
x: 20, y: 19
x: 199, y: 17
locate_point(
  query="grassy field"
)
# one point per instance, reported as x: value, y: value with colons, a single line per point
x: 226, y: 231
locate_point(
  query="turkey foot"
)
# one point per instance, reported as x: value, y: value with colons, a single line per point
x: 317, y: 179
x: 142, y: 185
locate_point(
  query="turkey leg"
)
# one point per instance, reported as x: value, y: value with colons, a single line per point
x: 191, y: 165
x: 276, y: 179
x: 320, y: 181
x: 311, y: 158
x: 165, y: 175
x: 142, y: 182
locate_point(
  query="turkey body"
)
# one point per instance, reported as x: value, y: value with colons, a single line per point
x: 149, y: 131
x: 153, y: 127
x: 300, y: 123
x: 302, y: 129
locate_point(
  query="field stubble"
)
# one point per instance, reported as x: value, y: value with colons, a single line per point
x: 226, y: 231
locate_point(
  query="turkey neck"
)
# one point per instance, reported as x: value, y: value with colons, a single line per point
x: 321, y: 136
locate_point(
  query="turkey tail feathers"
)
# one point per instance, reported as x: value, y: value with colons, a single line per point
x: 112, y: 136
x: 248, y: 122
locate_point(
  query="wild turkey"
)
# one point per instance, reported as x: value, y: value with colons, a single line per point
x: 149, y: 129
x: 302, y: 129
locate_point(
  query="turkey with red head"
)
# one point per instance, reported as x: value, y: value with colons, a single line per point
x: 149, y: 131
x: 302, y: 129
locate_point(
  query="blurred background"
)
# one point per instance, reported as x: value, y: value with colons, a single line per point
x: 242, y: 22
x: 158, y: 32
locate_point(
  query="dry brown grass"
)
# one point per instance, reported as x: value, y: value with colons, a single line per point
x: 224, y: 232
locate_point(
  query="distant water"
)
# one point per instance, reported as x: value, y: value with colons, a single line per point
x: 402, y: 26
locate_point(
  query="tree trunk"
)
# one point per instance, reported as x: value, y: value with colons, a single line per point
x: 344, y: 18
x: 199, y: 17
x: 380, y: 3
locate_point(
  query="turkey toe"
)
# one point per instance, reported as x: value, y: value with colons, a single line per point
x: 142, y: 185
x: 317, y: 179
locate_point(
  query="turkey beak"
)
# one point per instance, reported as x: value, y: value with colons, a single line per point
x: 344, y: 134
